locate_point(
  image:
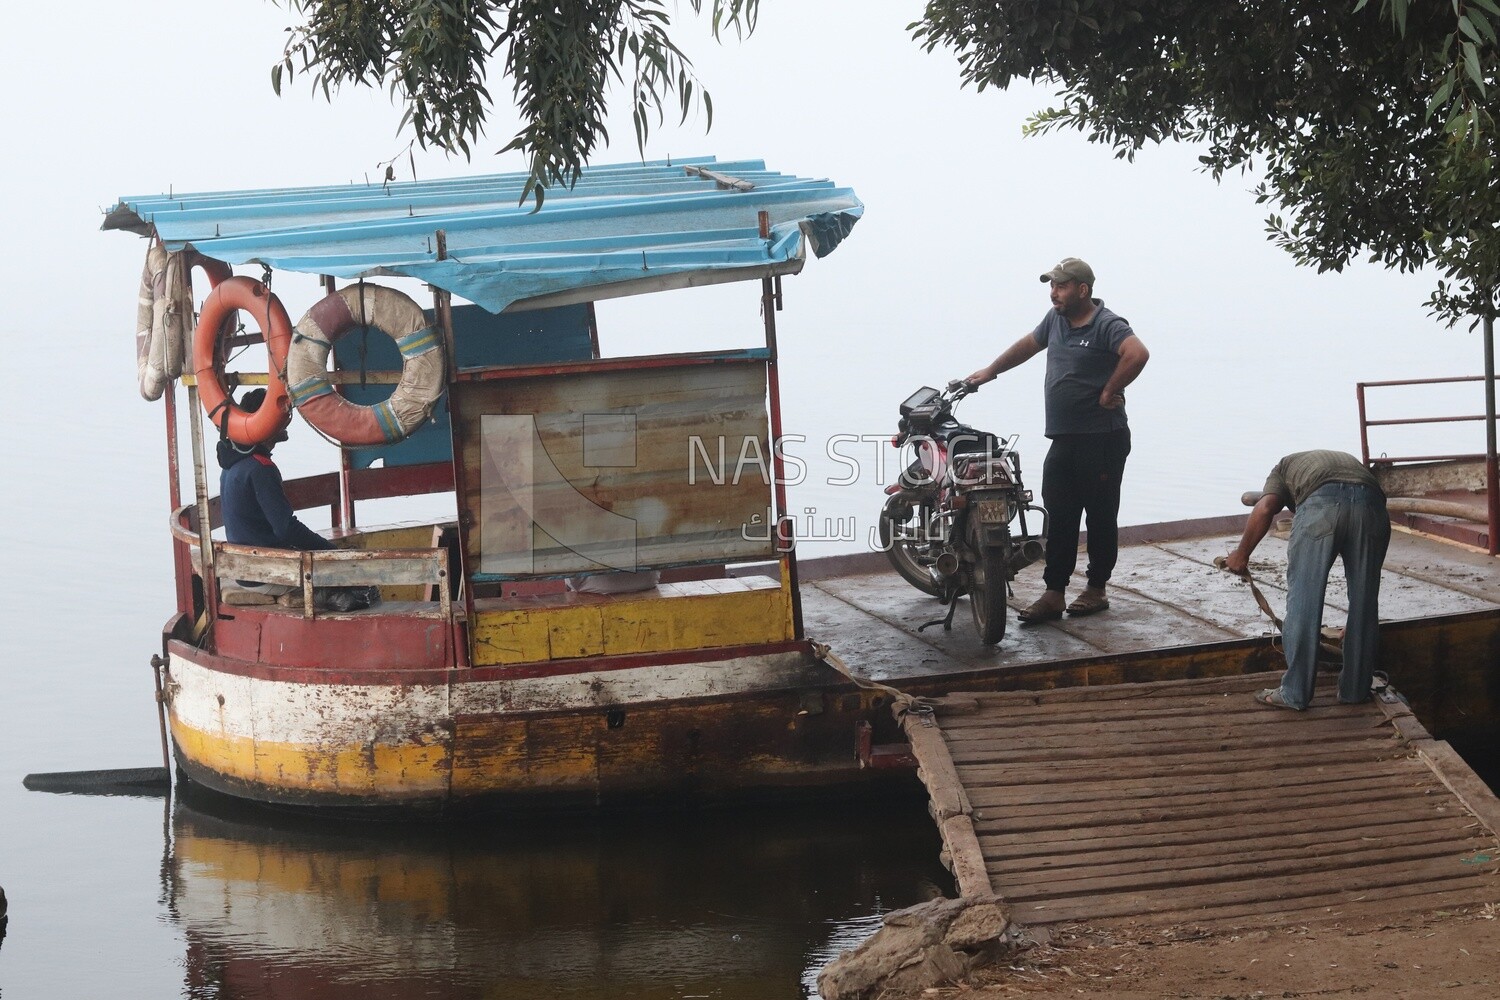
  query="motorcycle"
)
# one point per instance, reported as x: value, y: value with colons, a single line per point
x: 948, y: 520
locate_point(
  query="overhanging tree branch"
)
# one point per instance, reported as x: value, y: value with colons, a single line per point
x: 560, y: 56
x: 1373, y: 129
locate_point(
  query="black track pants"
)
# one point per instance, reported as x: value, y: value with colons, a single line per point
x: 1082, y: 476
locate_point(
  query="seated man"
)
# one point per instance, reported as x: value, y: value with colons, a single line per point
x: 256, y: 511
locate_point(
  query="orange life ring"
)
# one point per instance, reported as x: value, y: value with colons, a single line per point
x: 217, y: 271
x: 275, y: 411
x: 423, y: 373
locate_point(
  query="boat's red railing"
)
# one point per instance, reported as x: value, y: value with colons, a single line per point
x: 1365, y: 423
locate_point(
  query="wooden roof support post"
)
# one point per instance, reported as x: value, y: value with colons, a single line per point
x: 1491, y: 463
x: 343, y: 512
x: 770, y: 304
x: 205, y: 526
x: 442, y: 308
x: 182, y: 556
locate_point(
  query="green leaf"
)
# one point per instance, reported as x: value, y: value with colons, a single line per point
x: 1481, y: 22
x: 1471, y: 63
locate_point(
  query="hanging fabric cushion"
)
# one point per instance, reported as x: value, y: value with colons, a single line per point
x: 164, y: 314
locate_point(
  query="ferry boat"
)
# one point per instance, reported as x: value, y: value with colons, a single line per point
x: 491, y: 670
x: 609, y: 609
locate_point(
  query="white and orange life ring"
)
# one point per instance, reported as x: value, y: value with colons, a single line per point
x: 242, y: 427
x: 423, y: 373
x: 164, y: 314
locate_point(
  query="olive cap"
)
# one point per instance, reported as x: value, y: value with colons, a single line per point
x: 1071, y: 269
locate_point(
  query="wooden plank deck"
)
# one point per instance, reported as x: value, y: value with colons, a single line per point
x: 1186, y: 802
x: 1165, y: 593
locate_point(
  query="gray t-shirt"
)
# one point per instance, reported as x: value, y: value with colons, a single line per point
x: 1079, y: 363
x: 1296, y: 477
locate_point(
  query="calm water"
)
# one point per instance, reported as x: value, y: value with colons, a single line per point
x: 214, y: 900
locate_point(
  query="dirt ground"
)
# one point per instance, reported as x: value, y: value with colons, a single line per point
x: 1449, y: 956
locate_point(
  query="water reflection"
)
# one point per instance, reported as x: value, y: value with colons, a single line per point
x: 747, y: 904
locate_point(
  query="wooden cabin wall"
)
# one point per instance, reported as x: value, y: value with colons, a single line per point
x: 606, y: 467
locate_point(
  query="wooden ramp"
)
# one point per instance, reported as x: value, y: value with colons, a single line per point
x: 1186, y: 802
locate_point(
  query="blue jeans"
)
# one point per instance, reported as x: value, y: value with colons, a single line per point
x: 1347, y: 520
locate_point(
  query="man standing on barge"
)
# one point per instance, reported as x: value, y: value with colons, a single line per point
x: 1092, y: 355
x: 1338, y: 511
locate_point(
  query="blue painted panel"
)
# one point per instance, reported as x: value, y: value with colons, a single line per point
x: 482, y: 340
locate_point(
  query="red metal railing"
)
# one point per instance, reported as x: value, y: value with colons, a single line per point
x: 1365, y: 423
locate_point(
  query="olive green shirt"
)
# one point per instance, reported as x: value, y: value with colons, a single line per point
x: 1295, y: 477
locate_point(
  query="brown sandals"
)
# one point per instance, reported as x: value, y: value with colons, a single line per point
x: 1273, y: 698
x: 1090, y: 602
x: 1049, y: 607
x: 1046, y: 608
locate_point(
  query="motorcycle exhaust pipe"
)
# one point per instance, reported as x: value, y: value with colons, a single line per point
x: 1026, y: 553
x: 947, y: 563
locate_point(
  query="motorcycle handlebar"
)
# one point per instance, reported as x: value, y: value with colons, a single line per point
x: 959, y: 388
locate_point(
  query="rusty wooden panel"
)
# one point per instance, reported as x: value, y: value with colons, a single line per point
x: 405, y: 536
x: 781, y: 739
x: 575, y: 472
x: 280, y: 566
x: 344, y: 568
x: 338, y: 568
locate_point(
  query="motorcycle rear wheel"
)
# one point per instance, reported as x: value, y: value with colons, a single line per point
x: 987, y: 587
x: 909, y: 554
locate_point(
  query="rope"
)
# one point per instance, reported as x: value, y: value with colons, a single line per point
x: 298, y: 337
x: 265, y: 329
x: 1265, y: 606
x: 904, y: 701
x: 223, y: 405
x: 1260, y: 598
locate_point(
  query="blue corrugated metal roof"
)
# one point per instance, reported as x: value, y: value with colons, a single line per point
x: 622, y: 229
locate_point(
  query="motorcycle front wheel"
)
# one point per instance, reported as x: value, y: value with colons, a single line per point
x: 987, y: 583
x: 903, y: 536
